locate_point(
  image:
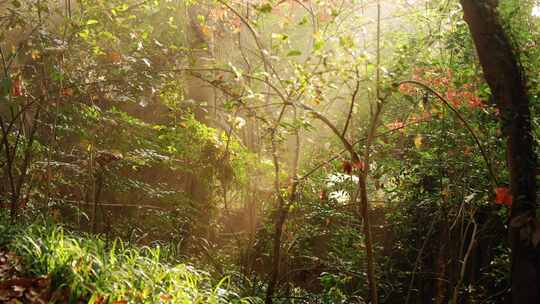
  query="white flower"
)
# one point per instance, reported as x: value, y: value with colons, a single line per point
x: 340, y: 196
x: 339, y: 178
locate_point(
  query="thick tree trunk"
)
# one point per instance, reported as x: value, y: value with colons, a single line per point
x: 508, y: 86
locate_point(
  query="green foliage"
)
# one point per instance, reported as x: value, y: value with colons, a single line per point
x: 176, y: 123
x: 94, y: 269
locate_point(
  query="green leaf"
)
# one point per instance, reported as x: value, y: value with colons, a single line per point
x: 279, y: 36
x: 346, y: 42
x: 318, y: 44
x: 294, y: 53
x: 91, y: 22
x: 5, y: 86
x: 265, y: 8
x: 84, y: 34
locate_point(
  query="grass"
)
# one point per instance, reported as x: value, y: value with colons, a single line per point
x: 101, y: 273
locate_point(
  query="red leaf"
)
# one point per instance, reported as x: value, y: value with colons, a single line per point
x: 360, y: 165
x: 16, y: 87
x: 323, y: 195
x: 503, y: 196
x: 453, y: 98
x: 347, y: 166
x: 23, y: 202
x: 68, y: 92
x: 115, y: 56
x: 395, y: 125
x: 474, y: 101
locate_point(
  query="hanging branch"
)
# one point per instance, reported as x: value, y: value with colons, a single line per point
x: 348, y: 146
x: 337, y: 155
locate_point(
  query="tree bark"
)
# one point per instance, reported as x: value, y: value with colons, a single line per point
x: 508, y: 86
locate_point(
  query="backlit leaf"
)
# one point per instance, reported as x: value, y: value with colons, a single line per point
x: 294, y: 53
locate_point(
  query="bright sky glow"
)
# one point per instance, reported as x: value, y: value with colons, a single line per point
x: 536, y: 11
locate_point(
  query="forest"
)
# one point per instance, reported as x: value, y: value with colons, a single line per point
x: 269, y: 151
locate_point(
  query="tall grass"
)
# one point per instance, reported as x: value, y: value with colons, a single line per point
x: 93, y: 271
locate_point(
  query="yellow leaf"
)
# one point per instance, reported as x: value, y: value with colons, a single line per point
x: 207, y: 31
x: 35, y: 54
x: 418, y: 141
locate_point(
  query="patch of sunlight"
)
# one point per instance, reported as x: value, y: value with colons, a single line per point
x: 536, y: 11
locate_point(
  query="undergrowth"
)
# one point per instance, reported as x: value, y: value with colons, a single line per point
x: 99, y: 272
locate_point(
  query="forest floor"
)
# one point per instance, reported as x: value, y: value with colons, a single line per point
x: 45, y: 263
x: 16, y: 287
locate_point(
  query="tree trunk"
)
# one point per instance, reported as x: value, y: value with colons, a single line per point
x: 281, y: 216
x: 508, y: 86
x: 366, y: 229
x: 281, y: 212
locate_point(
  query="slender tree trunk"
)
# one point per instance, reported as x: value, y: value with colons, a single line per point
x: 97, y: 195
x: 281, y: 212
x: 440, y: 265
x: 508, y: 86
x: 366, y: 229
x: 362, y: 181
x: 281, y: 215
